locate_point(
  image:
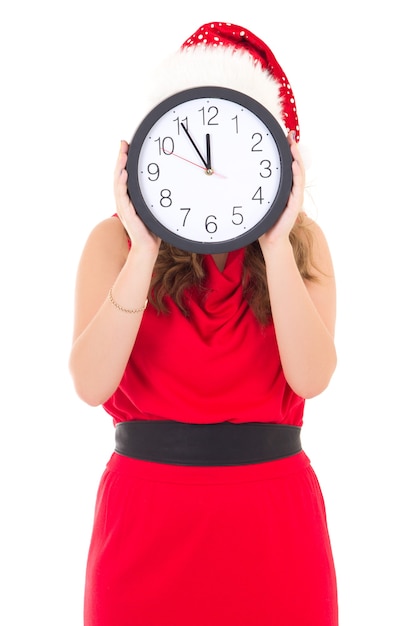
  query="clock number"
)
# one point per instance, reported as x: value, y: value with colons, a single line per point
x: 258, y: 195
x: 213, y: 111
x: 180, y: 123
x: 266, y: 165
x: 258, y: 138
x: 186, y: 215
x: 236, y: 120
x: 211, y: 225
x: 153, y: 171
x: 165, y: 145
x: 237, y: 217
x: 165, y: 200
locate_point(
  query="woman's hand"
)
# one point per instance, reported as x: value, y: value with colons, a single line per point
x: 281, y: 230
x: 138, y: 233
x: 103, y: 334
x: 303, y: 311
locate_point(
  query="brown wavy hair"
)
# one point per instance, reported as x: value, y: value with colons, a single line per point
x: 178, y: 273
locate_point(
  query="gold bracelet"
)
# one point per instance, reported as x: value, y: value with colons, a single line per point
x: 114, y: 303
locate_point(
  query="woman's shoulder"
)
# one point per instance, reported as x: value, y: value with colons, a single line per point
x: 110, y: 231
x: 308, y: 223
x: 312, y: 230
x: 110, y: 227
x: 107, y: 240
x: 314, y: 238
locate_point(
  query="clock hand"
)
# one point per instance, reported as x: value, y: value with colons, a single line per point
x: 184, y: 159
x: 208, y: 147
x: 196, y: 164
x: 195, y: 147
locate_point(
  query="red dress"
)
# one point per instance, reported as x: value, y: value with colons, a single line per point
x: 209, y: 546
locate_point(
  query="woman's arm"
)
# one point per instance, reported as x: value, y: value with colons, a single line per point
x: 303, y: 311
x: 103, y: 334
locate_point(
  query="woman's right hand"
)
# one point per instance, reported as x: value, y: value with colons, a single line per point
x: 104, y: 335
x: 139, y: 235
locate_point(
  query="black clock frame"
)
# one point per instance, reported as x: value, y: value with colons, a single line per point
x: 265, y: 223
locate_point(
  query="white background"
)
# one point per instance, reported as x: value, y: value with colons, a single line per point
x: 72, y: 85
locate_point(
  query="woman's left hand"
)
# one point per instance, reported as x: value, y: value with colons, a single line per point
x: 285, y: 223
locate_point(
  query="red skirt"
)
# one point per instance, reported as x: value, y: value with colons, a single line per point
x: 210, y: 546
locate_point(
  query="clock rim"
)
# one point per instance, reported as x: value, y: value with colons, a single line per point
x: 243, y: 239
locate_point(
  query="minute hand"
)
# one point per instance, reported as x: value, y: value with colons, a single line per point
x: 195, y: 147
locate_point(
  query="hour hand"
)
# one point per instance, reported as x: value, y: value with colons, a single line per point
x: 208, y: 152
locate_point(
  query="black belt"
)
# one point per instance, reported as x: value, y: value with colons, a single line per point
x: 177, y: 443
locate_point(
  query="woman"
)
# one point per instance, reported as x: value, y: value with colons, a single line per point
x: 195, y: 524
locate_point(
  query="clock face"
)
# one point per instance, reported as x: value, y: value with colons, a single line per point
x: 209, y: 170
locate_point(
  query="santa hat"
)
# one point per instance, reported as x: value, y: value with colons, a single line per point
x: 225, y: 55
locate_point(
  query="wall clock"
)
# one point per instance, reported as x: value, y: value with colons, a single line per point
x: 209, y: 170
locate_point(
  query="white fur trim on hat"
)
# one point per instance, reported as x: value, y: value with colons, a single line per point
x: 221, y: 66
